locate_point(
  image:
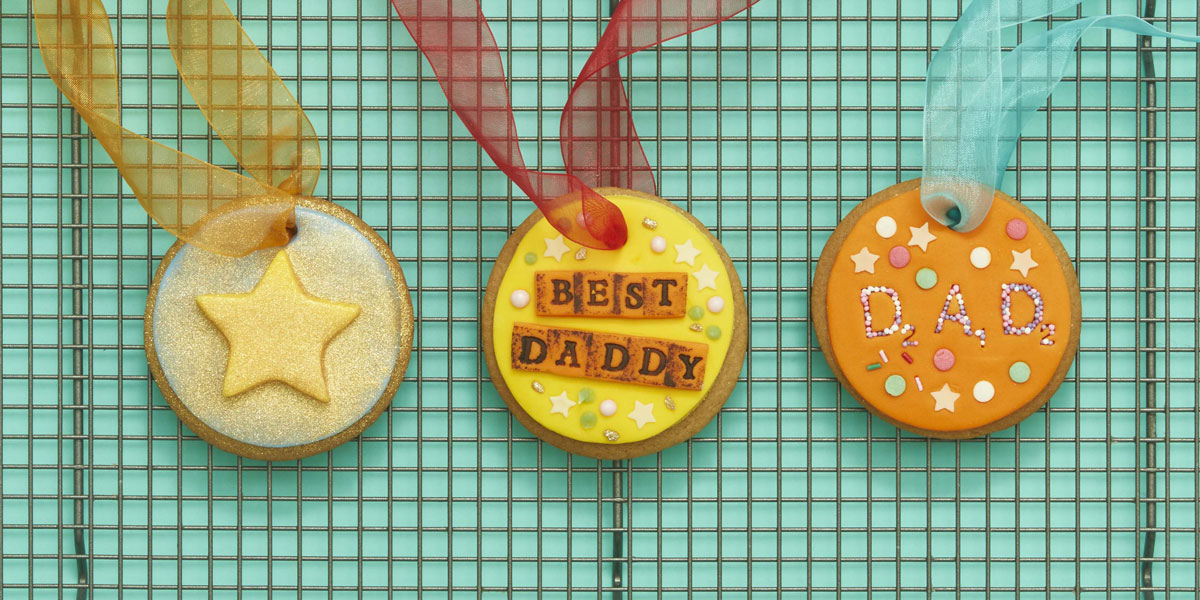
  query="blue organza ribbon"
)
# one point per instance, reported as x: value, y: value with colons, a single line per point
x: 977, y: 99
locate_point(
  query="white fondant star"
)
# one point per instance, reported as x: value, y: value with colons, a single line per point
x: 561, y: 404
x: 642, y: 413
x: 556, y: 248
x: 944, y: 398
x: 1023, y: 261
x: 864, y: 261
x: 706, y: 278
x: 921, y: 237
x: 686, y: 253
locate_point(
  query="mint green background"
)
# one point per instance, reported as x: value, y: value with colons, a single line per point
x: 767, y: 130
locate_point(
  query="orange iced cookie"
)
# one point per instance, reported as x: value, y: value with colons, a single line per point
x: 942, y: 333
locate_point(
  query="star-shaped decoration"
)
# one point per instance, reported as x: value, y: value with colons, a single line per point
x: 864, y: 261
x: 277, y: 332
x: 1023, y: 261
x: 686, y: 253
x: 642, y: 413
x: 706, y: 278
x: 561, y: 404
x: 555, y: 248
x: 921, y: 237
x: 944, y: 398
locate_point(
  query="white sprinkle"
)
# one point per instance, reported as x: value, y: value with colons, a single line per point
x: 716, y: 304
x: 608, y: 408
x: 519, y: 298
x: 984, y: 391
x: 885, y: 227
x: 920, y: 388
x: 883, y: 356
x: 658, y: 244
x: 981, y: 257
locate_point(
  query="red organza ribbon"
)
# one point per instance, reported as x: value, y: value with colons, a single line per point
x: 599, y: 144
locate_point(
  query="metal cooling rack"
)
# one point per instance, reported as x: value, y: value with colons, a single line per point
x: 768, y: 129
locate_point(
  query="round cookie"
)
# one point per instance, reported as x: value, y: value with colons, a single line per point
x: 618, y: 353
x: 979, y: 343
x: 286, y: 352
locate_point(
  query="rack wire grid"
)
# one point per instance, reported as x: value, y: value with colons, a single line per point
x: 768, y: 128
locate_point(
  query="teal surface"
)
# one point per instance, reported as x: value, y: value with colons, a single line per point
x: 768, y: 129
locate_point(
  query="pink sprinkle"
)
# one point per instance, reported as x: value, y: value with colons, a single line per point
x: 920, y: 388
x: 1016, y: 229
x: 883, y: 356
x: 906, y: 357
x: 898, y: 256
x: 943, y: 359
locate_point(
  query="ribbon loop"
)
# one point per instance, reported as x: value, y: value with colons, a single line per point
x: 599, y: 144
x: 177, y: 190
x: 977, y: 99
x: 242, y: 97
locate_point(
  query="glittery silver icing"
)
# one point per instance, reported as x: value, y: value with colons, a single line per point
x: 333, y: 261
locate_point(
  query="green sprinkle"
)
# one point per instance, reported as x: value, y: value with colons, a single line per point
x: 587, y: 420
x: 530, y: 258
x: 873, y: 366
x: 1019, y: 372
x: 713, y: 332
x: 696, y: 313
x: 586, y: 395
x: 926, y: 278
x: 894, y: 385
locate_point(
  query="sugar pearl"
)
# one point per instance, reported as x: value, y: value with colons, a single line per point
x: 608, y: 408
x: 716, y: 304
x: 984, y: 391
x: 658, y: 244
x: 980, y: 257
x: 885, y: 227
x: 519, y: 298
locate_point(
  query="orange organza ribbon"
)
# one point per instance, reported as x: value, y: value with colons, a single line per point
x: 239, y: 93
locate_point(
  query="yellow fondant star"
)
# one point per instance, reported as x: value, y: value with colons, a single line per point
x: 277, y: 332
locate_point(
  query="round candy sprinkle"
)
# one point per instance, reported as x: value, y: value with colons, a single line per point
x: 608, y: 408
x: 695, y: 313
x: 587, y: 420
x: 586, y: 395
x: 980, y: 257
x: 1019, y: 372
x: 943, y: 359
x: 530, y: 258
x: 1016, y: 229
x: 885, y: 227
x: 984, y: 391
x: 898, y: 257
x: 658, y: 244
x: 894, y: 385
x: 713, y: 332
x: 716, y: 304
x: 926, y: 278
x: 519, y: 298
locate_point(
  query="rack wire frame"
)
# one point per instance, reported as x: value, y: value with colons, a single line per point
x: 768, y: 128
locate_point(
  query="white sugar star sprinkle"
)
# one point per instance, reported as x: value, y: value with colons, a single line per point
x: 561, y: 404
x: 706, y: 278
x: 642, y: 413
x: 1023, y: 262
x: 864, y: 261
x: 556, y: 248
x: 686, y: 253
x: 921, y: 237
x: 944, y: 398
